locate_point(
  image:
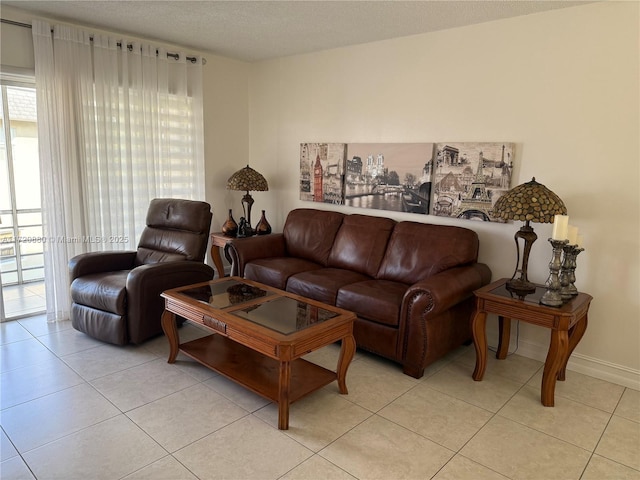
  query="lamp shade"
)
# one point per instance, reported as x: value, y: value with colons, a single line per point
x: 529, y: 202
x: 247, y: 179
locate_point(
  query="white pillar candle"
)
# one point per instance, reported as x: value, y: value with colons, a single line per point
x: 560, y: 224
x: 579, y: 241
x: 573, y: 234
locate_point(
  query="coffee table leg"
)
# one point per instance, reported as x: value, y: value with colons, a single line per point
x: 478, y: 327
x: 347, y: 350
x: 168, y: 322
x: 283, y: 395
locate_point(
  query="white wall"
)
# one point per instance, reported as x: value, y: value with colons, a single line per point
x: 563, y: 85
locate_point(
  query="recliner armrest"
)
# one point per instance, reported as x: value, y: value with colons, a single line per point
x: 144, y: 286
x: 243, y: 250
x: 98, y: 262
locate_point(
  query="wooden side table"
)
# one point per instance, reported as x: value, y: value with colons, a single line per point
x: 567, y: 323
x: 218, y: 242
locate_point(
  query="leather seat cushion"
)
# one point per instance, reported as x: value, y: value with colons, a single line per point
x: 276, y: 271
x: 377, y: 300
x: 104, y: 291
x: 323, y: 284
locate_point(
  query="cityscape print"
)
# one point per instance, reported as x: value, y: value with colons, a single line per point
x: 389, y: 176
x: 469, y: 177
x: 322, y: 172
x: 460, y: 180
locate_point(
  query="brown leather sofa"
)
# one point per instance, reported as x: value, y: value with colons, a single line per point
x: 116, y: 295
x: 411, y: 284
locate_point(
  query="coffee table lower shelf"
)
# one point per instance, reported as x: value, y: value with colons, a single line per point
x: 254, y: 370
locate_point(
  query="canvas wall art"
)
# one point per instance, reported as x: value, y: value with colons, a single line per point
x: 469, y: 177
x: 454, y: 179
x: 322, y: 172
x: 389, y: 176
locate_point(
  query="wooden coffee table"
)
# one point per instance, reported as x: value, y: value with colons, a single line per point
x: 258, y: 336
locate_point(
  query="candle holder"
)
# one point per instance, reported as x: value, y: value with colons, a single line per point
x: 552, y: 297
x: 567, y: 272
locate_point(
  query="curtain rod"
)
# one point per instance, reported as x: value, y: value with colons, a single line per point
x: 175, y: 56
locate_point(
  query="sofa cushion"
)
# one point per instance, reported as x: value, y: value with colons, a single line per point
x: 376, y: 300
x: 104, y: 291
x: 309, y: 234
x: 275, y: 271
x: 360, y: 243
x: 323, y: 284
x: 417, y: 251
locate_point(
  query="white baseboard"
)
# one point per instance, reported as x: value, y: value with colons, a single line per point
x: 584, y: 364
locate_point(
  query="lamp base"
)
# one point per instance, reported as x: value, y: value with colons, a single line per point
x: 520, y: 287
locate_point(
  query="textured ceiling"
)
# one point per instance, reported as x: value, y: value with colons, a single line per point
x: 258, y: 30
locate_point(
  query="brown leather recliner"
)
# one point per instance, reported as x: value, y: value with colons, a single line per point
x: 116, y: 294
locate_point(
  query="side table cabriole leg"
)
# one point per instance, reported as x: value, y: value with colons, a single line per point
x: 168, y: 322
x: 575, y: 335
x: 478, y: 327
x: 217, y: 260
x: 558, y: 349
x: 347, y: 350
x: 504, y: 327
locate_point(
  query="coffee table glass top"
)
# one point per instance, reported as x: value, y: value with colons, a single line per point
x: 279, y: 313
x: 225, y: 294
x: 285, y: 315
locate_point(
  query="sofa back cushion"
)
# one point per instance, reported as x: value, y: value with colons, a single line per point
x: 360, y: 243
x: 309, y: 233
x: 417, y: 251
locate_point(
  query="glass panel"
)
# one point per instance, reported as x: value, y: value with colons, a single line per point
x: 35, y: 274
x: 31, y: 218
x: 285, y: 315
x: 534, y: 297
x: 5, y: 192
x: 30, y: 240
x: 7, y: 242
x: 224, y: 294
x: 9, y: 278
x: 8, y: 264
x: 32, y: 261
x: 24, y: 143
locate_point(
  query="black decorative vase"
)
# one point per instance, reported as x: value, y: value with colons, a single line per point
x: 263, y: 227
x: 230, y: 227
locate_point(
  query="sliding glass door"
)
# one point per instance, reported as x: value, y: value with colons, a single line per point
x: 21, y: 240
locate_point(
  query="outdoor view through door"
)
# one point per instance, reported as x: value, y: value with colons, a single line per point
x: 21, y: 259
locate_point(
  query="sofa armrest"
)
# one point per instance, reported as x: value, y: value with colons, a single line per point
x: 98, y: 262
x: 444, y: 290
x: 144, y: 286
x: 436, y: 314
x: 243, y: 250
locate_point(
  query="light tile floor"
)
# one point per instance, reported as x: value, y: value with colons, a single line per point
x: 74, y: 408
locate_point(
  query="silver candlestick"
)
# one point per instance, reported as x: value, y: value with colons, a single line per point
x: 567, y: 272
x: 552, y: 296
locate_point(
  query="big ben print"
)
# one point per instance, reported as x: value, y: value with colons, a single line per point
x: 322, y: 172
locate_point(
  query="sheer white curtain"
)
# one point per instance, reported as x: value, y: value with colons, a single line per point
x: 118, y: 126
